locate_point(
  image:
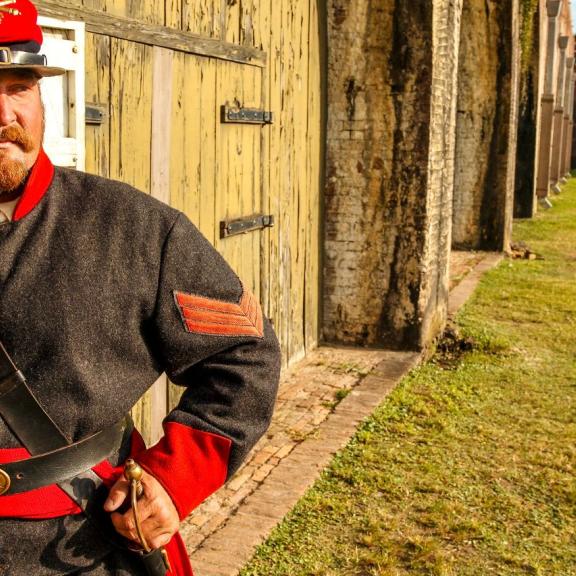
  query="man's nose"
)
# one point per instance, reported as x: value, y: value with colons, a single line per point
x: 7, y: 113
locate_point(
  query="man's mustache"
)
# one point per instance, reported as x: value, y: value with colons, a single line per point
x: 16, y: 134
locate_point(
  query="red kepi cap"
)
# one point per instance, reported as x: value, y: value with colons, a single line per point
x: 21, y: 39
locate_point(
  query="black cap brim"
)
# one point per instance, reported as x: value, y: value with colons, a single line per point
x: 43, y: 71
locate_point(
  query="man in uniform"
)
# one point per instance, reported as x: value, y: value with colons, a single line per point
x: 103, y: 289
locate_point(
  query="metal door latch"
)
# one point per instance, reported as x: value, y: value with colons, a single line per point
x: 95, y: 114
x: 237, y: 115
x: 243, y: 225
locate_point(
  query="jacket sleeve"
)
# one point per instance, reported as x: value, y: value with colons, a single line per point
x: 211, y: 338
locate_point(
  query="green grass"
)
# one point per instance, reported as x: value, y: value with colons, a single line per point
x: 469, y: 467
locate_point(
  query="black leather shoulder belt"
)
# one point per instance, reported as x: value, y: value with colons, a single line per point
x: 60, y: 465
x: 55, y: 460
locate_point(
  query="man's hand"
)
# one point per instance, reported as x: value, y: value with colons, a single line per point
x: 158, y: 515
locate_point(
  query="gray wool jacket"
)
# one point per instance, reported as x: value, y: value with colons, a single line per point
x: 89, y: 311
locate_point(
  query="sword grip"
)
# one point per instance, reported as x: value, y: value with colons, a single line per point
x: 155, y: 560
x: 133, y: 473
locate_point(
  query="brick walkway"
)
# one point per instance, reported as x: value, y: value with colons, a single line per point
x: 308, y: 394
x: 321, y: 402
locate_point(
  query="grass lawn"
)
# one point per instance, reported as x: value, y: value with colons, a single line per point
x: 469, y: 467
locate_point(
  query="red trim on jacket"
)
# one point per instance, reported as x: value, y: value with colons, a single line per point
x: 190, y: 464
x: 198, y: 457
x: 51, y: 501
x: 46, y: 502
x: 37, y: 185
x: 178, y: 557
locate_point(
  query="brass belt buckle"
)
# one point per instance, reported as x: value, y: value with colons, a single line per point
x: 5, y: 54
x: 4, y: 482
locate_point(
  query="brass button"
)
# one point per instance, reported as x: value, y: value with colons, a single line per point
x: 4, y: 482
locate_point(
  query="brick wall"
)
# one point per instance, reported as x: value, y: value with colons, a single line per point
x: 486, y: 125
x: 445, y: 39
x: 391, y: 85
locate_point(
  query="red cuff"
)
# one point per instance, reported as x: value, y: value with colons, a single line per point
x: 189, y: 464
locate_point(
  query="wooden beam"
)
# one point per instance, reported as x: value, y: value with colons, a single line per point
x: 124, y: 28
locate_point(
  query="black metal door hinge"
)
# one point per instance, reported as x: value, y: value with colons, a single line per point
x: 243, y: 225
x: 95, y: 113
x: 236, y: 115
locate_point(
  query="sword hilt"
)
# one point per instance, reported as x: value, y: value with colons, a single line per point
x: 133, y: 473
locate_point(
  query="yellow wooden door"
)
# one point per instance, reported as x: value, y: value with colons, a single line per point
x: 162, y: 132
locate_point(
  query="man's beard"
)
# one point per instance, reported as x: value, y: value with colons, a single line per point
x: 13, y: 171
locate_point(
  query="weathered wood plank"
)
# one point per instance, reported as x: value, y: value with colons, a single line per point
x: 115, y: 7
x: 160, y: 189
x: 98, y: 92
x: 130, y: 143
x: 301, y: 195
x: 209, y: 129
x: 203, y: 17
x: 158, y: 395
x: 161, y: 122
x: 248, y: 15
x: 251, y: 199
x: 231, y: 32
x: 178, y: 182
x: 151, y: 12
x: 288, y: 237
x: 173, y: 14
x: 262, y: 37
x: 277, y: 274
x: 229, y: 90
x: 131, y: 114
x: 238, y: 174
x: 185, y: 145
x: 153, y: 35
x: 314, y: 172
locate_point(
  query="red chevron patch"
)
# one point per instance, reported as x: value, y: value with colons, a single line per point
x: 203, y: 315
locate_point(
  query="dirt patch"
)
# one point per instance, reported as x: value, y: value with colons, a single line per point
x: 451, y: 347
x: 521, y: 251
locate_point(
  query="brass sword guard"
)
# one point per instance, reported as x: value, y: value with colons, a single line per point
x: 133, y: 473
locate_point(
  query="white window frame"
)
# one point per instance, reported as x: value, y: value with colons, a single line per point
x: 68, y: 118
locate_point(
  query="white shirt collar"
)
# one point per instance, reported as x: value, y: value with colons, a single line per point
x: 7, y: 210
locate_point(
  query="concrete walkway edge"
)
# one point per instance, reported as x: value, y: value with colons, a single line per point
x: 462, y: 292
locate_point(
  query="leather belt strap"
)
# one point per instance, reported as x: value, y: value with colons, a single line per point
x: 55, y: 459
x: 60, y: 465
x: 22, y: 412
x: 36, y: 430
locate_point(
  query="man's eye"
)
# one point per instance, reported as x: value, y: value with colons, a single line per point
x: 19, y: 88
